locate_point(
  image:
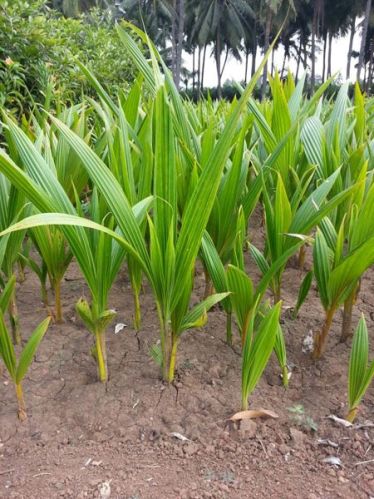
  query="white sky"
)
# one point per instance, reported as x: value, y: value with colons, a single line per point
x: 234, y: 69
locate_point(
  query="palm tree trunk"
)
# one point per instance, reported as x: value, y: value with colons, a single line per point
x: 180, y: 32
x: 266, y: 47
x: 225, y: 61
x: 174, y: 41
x: 324, y: 56
x: 254, y: 50
x: 198, y: 69
x: 246, y: 66
x: 253, y: 66
x: 284, y: 63
x: 367, y: 85
x: 298, y: 60
x: 363, y: 39
x: 350, y: 48
x: 313, y: 53
x: 329, y: 65
x: 203, y: 68
x: 193, y: 70
x: 370, y: 73
x: 218, y: 65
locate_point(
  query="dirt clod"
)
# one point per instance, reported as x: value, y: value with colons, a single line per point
x: 248, y: 428
x: 298, y: 437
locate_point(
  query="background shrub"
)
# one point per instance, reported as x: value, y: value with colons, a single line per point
x: 37, y: 50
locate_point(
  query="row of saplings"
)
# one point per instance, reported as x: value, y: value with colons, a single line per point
x: 258, y: 341
x: 172, y: 183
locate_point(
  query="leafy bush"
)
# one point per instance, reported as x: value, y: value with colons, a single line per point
x: 37, y: 51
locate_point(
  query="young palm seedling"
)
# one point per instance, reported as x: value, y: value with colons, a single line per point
x: 50, y: 242
x: 11, y: 207
x: 227, y: 207
x: 361, y: 371
x: 125, y: 146
x: 99, y: 258
x: 17, y: 370
x: 281, y: 354
x: 303, y: 293
x: 279, y: 345
x: 323, y: 262
x: 339, y: 266
x: 361, y: 228
x: 56, y: 256
x: 285, y: 218
x: 257, y: 350
x: 245, y: 298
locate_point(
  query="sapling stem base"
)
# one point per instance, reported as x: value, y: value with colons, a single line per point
x: 347, y: 317
x: 321, y: 336
x: 276, y: 296
x: 285, y: 376
x: 137, y: 311
x: 351, y: 416
x: 58, y: 304
x: 44, y: 294
x: 229, y: 328
x: 169, y: 346
x: 21, y: 403
x: 21, y: 272
x: 102, y: 367
x: 245, y: 328
x: 166, y: 351
x: 173, y: 359
x: 301, y: 258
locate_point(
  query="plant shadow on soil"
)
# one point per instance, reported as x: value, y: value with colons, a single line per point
x: 81, y: 434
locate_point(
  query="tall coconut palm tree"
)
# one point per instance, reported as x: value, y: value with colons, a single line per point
x: 153, y: 16
x: 272, y: 14
x: 223, y: 23
x: 365, y: 27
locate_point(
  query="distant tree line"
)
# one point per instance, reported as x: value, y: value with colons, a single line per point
x: 244, y: 28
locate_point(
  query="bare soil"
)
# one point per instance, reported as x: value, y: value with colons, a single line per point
x: 83, y: 438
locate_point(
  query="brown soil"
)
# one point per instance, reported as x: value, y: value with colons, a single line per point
x: 81, y: 434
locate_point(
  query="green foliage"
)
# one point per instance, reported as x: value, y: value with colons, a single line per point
x: 303, y: 292
x: 257, y: 350
x: 361, y: 371
x: 301, y: 419
x: 281, y: 354
x: 6, y: 293
x: 38, y: 52
x: 17, y: 370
